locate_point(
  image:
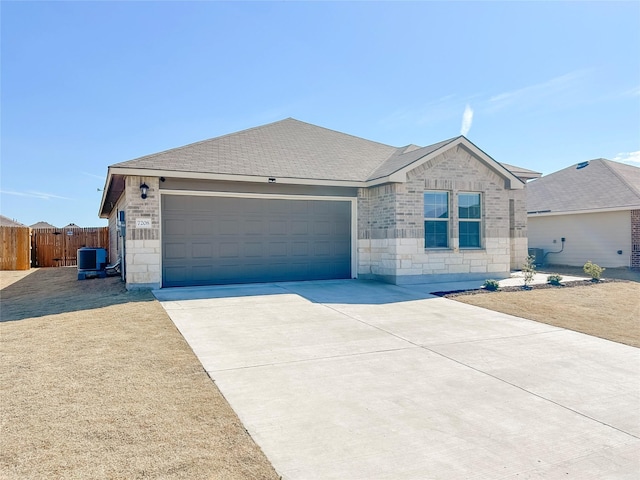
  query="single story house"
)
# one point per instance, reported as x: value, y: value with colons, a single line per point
x: 8, y: 222
x: 42, y: 224
x: 588, y: 211
x: 294, y: 201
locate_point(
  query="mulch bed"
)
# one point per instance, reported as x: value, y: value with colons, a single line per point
x: 520, y: 288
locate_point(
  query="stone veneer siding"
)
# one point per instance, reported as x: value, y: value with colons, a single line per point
x: 635, y: 239
x: 391, y: 224
x: 142, y: 245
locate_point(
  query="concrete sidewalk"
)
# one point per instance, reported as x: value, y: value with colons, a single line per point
x: 362, y: 380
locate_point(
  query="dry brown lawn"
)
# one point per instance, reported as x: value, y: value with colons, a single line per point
x: 97, y: 383
x: 605, y: 310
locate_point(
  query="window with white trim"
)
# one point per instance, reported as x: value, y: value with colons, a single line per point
x: 436, y: 219
x: 469, y: 220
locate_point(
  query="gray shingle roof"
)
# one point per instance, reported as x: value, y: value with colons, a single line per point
x: 602, y: 184
x: 522, y: 173
x: 405, y: 156
x: 288, y: 148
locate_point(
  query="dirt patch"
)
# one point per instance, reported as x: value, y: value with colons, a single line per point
x: 608, y: 274
x: 609, y: 309
x: 12, y: 276
x: 98, y: 383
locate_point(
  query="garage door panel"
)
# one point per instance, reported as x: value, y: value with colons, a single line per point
x: 218, y: 240
x: 201, y: 250
x: 201, y: 226
x: 342, y: 249
x: 322, y: 208
x: 277, y: 227
x: 179, y: 204
x: 175, y: 250
x: 299, y: 249
x: 252, y: 226
x: 174, y: 226
x: 300, y: 227
x: 177, y: 274
x: 201, y: 273
x: 197, y: 204
x: 228, y: 250
x: 279, y: 207
x: 322, y: 227
x: 227, y: 226
x: 322, y: 249
x: 252, y: 249
x: 341, y: 228
x: 277, y: 249
x: 300, y: 207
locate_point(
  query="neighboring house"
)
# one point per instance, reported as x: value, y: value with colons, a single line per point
x: 595, y: 207
x: 43, y: 225
x: 294, y: 201
x: 7, y: 222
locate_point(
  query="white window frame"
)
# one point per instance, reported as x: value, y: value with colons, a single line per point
x: 471, y: 220
x: 446, y: 220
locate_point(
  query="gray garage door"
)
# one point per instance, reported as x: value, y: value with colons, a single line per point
x: 221, y: 240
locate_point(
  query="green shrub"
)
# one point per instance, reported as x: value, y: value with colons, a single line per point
x: 554, y: 280
x: 491, y: 285
x: 528, y: 271
x: 593, y: 270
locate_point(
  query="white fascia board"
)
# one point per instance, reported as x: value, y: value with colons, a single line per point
x: 235, y: 178
x: 107, y: 184
x: 577, y: 212
x: 400, y: 176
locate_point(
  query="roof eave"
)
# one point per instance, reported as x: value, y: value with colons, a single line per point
x: 109, y: 197
x: 550, y: 213
x: 105, y: 189
x: 232, y: 177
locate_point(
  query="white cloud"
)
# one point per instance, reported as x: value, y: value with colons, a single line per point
x: 32, y: 194
x: 467, y: 119
x: 101, y: 177
x: 628, y: 157
x: 633, y: 92
x: 533, y: 94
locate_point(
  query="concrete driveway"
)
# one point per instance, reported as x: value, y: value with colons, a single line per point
x: 362, y: 380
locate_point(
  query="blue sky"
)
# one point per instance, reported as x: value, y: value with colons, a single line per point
x: 542, y: 85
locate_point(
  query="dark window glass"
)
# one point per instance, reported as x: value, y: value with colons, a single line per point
x: 469, y: 234
x: 469, y: 205
x: 435, y: 234
x: 436, y: 205
x: 436, y: 225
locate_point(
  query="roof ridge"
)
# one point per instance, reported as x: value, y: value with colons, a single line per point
x: 337, y: 131
x: 631, y: 187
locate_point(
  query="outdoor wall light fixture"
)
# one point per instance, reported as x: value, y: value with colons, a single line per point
x: 144, y: 188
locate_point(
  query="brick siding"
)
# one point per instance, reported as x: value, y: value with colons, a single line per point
x: 391, y: 222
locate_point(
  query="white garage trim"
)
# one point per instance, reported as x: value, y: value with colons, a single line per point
x: 354, y: 213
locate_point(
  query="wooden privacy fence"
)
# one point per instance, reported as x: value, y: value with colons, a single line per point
x: 58, y: 247
x: 14, y: 252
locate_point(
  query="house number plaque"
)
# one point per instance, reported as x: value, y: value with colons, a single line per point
x: 143, y: 223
